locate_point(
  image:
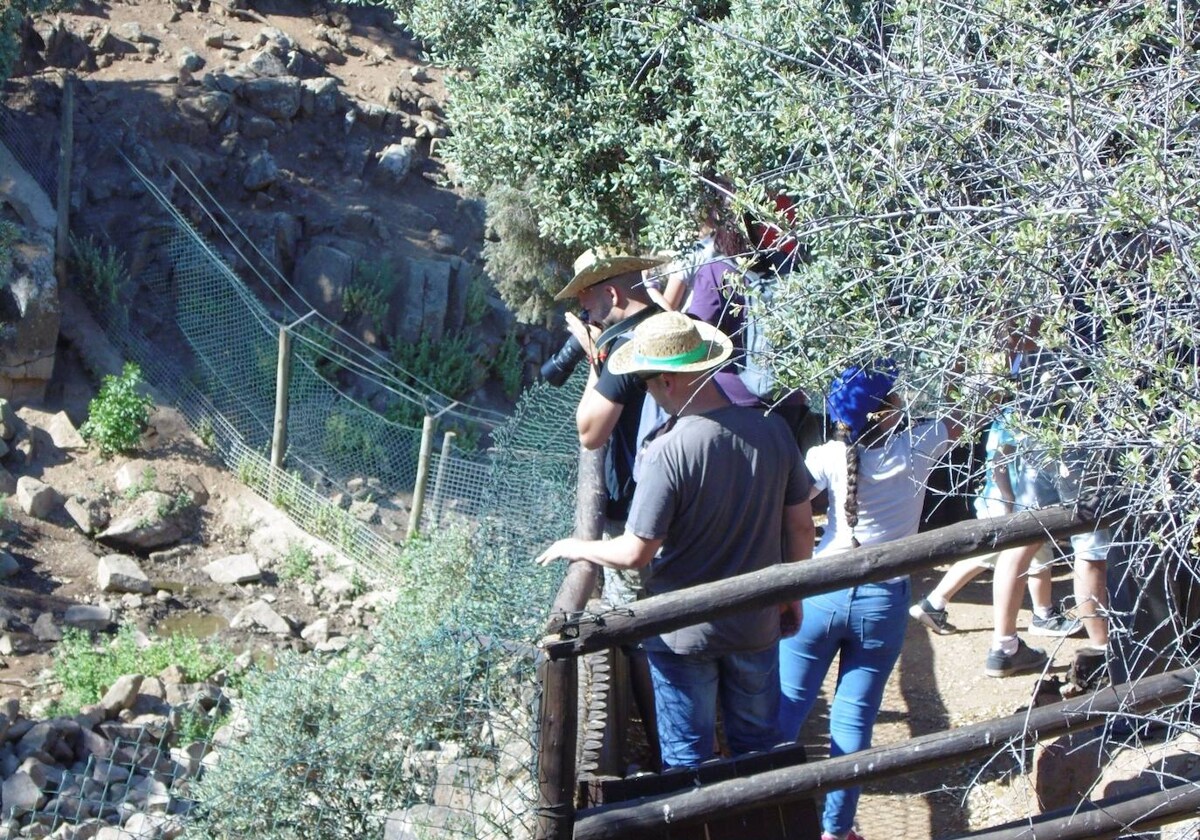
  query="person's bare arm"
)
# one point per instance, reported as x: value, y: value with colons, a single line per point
x: 799, y: 535
x: 596, y: 416
x: 627, y: 551
x: 799, y: 531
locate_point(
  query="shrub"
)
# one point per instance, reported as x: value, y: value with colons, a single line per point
x: 119, y: 414
x: 86, y: 670
x: 298, y: 564
x: 508, y: 365
x: 370, y: 291
x: 100, y: 270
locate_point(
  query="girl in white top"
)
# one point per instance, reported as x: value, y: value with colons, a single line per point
x: 876, y: 470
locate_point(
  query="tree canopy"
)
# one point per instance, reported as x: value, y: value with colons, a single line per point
x: 961, y: 171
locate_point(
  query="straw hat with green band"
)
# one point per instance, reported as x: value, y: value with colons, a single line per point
x: 671, y: 342
x: 596, y: 265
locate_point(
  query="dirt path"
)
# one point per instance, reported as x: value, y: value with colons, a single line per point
x: 939, y: 684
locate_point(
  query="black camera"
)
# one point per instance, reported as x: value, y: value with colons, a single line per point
x: 558, y: 368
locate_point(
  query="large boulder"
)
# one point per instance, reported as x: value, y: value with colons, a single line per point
x: 277, y: 98
x: 29, y: 308
x: 152, y: 520
x: 322, y: 275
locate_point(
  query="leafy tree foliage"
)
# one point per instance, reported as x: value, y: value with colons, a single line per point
x: 962, y: 171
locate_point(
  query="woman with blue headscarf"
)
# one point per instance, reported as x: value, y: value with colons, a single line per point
x: 875, y: 470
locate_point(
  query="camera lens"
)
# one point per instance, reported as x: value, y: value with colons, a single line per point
x: 559, y: 367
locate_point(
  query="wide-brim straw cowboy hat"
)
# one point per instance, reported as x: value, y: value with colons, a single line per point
x: 596, y: 265
x: 671, y: 342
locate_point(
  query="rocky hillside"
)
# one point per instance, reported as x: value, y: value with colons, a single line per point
x: 314, y: 127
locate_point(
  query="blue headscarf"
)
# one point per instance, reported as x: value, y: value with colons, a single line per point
x: 859, y: 391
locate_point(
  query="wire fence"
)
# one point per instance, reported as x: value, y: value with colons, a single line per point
x: 34, y: 142
x: 427, y: 728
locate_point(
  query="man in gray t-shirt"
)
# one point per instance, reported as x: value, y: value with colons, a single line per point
x: 724, y: 492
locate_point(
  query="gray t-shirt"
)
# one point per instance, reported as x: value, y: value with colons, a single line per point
x: 713, y: 489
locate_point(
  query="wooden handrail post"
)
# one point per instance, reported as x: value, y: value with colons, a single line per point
x: 557, y: 736
x: 558, y: 723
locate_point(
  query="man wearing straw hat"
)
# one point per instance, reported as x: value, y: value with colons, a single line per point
x: 722, y: 493
x: 610, y: 293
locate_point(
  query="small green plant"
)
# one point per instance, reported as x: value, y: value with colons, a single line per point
x: 178, y: 503
x: 477, y: 302
x: 298, y: 564
x: 206, y: 432
x: 146, y: 481
x: 86, y: 670
x: 370, y: 290
x: 100, y: 270
x: 119, y: 414
x: 285, y: 489
x: 507, y: 365
x: 251, y: 470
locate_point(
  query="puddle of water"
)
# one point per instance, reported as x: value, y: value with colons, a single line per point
x: 195, y: 625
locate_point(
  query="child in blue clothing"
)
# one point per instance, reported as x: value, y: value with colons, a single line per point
x: 997, y: 497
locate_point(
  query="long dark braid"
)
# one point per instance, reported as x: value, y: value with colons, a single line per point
x: 871, y: 435
x: 850, y: 504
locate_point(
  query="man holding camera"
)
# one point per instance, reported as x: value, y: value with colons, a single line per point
x: 613, y: 301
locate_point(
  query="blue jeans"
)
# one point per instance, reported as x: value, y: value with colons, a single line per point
x: 686, y: 691
x: 865, y: 625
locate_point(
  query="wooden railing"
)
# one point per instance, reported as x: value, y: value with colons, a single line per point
x: 573, y: 633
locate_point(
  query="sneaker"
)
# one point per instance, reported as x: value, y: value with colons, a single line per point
x: 1056, y: 624
x: 1000, y: 664
x: 935, y: 620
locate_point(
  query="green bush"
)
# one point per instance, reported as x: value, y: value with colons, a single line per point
x: 100, y: 270
x: 119, y: 414
x: 85, y: 670
x: 370, y: 291
x: 450, y: 366
x: 334, y: 745
x: 298, y: 564
x: 508, y: 365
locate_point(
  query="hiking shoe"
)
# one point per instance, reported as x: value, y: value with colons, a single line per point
x: 1056, y: 624
x: 1000, y: 664
x: 935, y: 620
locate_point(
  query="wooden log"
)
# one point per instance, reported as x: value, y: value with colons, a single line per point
x: 558, y: 722
x: 580, y: 581
x: 649, y: 817
x: 790, y: 581
x: 556, y: 749
x: 1105, y: 819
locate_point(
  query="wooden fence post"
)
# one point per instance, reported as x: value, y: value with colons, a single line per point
x: 62, y: 243
x: 283, y: 381
x: 557, y: 736
x: 439, y: 482
x: 418, y: 502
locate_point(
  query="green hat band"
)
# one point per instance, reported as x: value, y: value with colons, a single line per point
x: 696, y: 354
